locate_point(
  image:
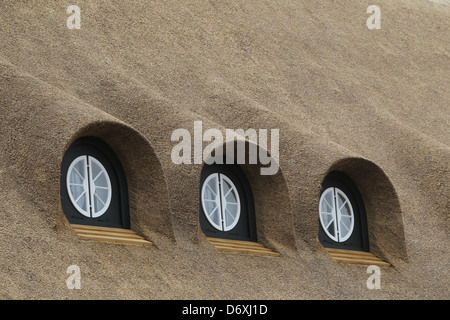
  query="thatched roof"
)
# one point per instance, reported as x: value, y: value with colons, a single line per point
x: 371, y: 103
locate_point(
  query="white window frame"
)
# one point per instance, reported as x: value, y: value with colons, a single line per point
x: 336, y: 214
x: 220, y: 201
x: 89, y: 186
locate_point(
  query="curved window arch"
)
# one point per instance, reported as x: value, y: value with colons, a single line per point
x: 221, y: 202
x: 89, y: 186
x: 93, y: 185
x: 342, y: 214
x: 336, y: 214
x: 226, y: 203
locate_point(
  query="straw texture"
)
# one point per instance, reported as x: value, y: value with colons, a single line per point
x: 371, y: 103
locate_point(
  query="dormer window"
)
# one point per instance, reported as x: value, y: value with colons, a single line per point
x: 342, y: 214
x: 93, y: 185
x: 89, y: 186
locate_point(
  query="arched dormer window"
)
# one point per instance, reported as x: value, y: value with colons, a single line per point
x: 342, y: 214
x: 226, y: 203
x: 93, y: 185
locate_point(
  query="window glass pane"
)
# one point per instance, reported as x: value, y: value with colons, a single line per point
x: 81, y: 167
x: 95, y: 169
x: 340, y: 200
x: 226, y: 187
x: 75, y: 178
x: 328, y: 202
x: 230, y: 214
x: 102, y: 194
x: 331, y: 229
x: 101, y: 180
x: 98, y: 205
x: 209, y: 206
x: 231, y: 197
x: 82, y: 202
x: 211, y: 189
x: 76, y: 191
x: 345, y: 210
x: 215, y: 217
x: 77, y: 174
x: 326, y: 219
x: 345, y: 225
